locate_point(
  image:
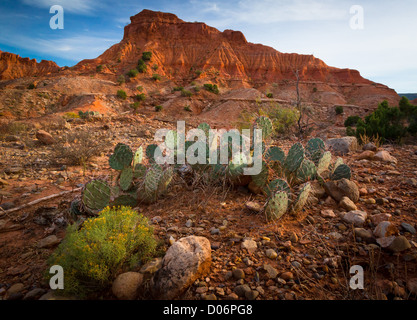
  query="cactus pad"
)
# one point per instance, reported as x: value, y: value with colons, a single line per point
x: 121, y: 157
x: 324, y: 162
x: 124, y: 200
x: 276, y: 186
x: 342, y: 171
x: 265, y: 124
x: 126, y: 177
x: 275, y: 154
x: 294, y: 158
x: 96, y: 195
x: 301, y: 199
x: 276, y: 206
x: 307, y: 171
x: 314, y: 149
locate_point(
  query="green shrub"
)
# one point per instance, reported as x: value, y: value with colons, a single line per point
x: 269, y: 95
x: 133, y: 73
x: 338, y: 109
x: 314, y: 89
x: 187, y: 108
x: 158, y: 108
x: 196, y: 88
x: 385, y: 122
x: 139, y: 88
x: 135, y: 105
x: 140, y: 97
x: 352, y: 121
x: 155, y: 67
x: 198, y: 72
x: 156, y: 77
x: 122, y: 94
x: 186, y: 93
x: 146, y: 56
x: 31, y: 86
x: 350, y: 132
x: 142, y: 67
x: 121, y: 79
x: 179, y: 88
x: 94, y: 255
x: 99, y: 68
x: 211, y: 87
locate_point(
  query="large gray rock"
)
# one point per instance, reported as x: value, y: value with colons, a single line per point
x: 342, y: 188
x: 185, y: 261
x: 342, y: 146
x: 356, y: 217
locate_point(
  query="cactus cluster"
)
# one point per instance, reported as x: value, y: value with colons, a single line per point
x: 88, y: 114
x: 284, y: 177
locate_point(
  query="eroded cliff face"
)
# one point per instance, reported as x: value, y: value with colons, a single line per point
x: 12, y: 66
x: 180, y: 49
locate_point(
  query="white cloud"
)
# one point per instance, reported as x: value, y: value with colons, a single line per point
x: 74, y: 6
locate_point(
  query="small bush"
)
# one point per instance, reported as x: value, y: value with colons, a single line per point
x: 146, y: 56
x: 133, y: 73
x: 156, y: 77
x: 350, y: 132
x: 211, y: 88
x: 99, y: 68
x: 187, y: 108
x: 269, y: 95
x: 31, y: 86
x: 158, y: 108
x: 314, y: 89
x: 139, y: 88
x: 179, y: 88
x: 198, y: 72
x: 338, y: 109
x: 352, y: 121
x: 122, y: 94
x: 135, y: 105
x: 121, y: 79
x: 186, y: 93
x: 155, y: 67
x: 196, y: 88
x: 142, y: 67
x: 140, y: 97
x: 71, y: 115
x: 94, y: 255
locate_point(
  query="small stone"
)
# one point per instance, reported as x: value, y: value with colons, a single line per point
x: 370, y: 201
x: 399, y: 244
x: 210, y: 297
x: 408, y: 228
x: 286, y: 275
x: 232, y: 296
x: 355, y: 217
x: 201, y: 290
x: 156, y: 219
x: 238, y: 274
x: 385, y: 229
x: 241, y: 290
x: 34, y: 294
x: 49, y: 241
x: 378, y: 218
x: 189, y: 223
x: 251, y: 295
x: 249, y: 245
x: 45, y: 137
x: 328, y: 213
x: 293, y: 237
x: 271, y: 271
x: 16, y: 288
x: 347, y: 204
x: 370, y: 146
x: 364, y: 234
x: 385, y: 157
x: 412, y: 286
x: 253, y: 206
x: 214, y: 231
x: 271, y: 254
x: 296, y: 264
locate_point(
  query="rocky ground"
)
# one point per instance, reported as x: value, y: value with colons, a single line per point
x: 302, y: 257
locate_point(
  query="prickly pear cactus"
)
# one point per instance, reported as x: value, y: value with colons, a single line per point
x: 261, y: 179
x: 165, y: 180
x: 205, y: 127
x: 124, y: 200
x: 301, y: 199
x: 315, y: 149
x: 338, y: 162
x: 276, y: 206
x: 138, y: 157
x: 75, y: 208
x: 276, y: 186
x: 275, y: 154
x: 126, y: 177
x: 139, y: 171
x: 96, y: 195
x: 294, y: 158
x: 265, y: 124
x: 150, y: 152
x: 307, y: 171
x: 342, y: 171
x: 324, y: 162
x: 121, y: 157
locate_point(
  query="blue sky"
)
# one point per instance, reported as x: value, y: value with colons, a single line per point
x: 384, y: 51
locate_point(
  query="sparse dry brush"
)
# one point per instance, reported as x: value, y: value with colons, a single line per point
x: 78, y: 147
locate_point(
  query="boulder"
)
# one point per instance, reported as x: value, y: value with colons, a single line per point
x: 125, y: 286
x: 45, y: 137
x: 355, y: 217
x: 342, y: 146
x: 342, y: 188
x: 370, y: 146
x: 385, y: 156
x: 185, y: 261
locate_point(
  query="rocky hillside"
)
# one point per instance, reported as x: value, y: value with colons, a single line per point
x: 184, y: 51
x: 12, y: 66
